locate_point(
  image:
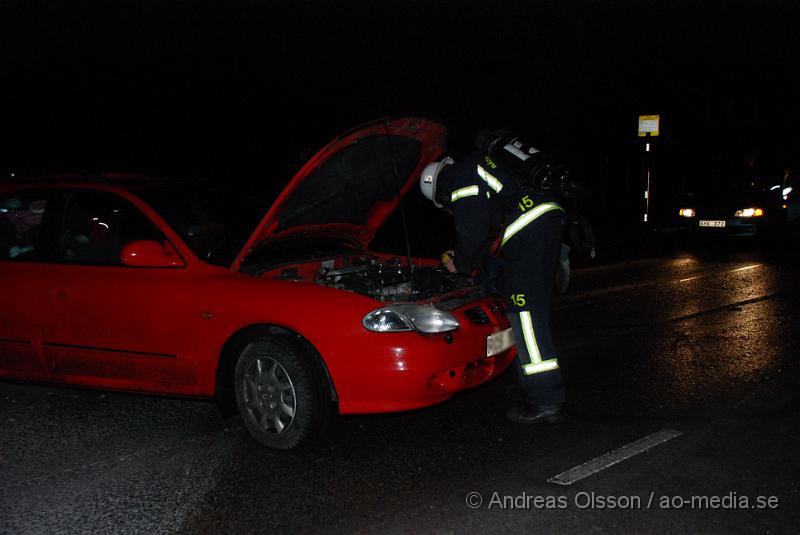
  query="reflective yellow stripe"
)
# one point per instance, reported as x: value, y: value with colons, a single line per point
x: 487, y: 177
x: 528, y: 217
x: 530, y: 337
x: 536, y: 365
x: 545, y: 366
x: 469, y: 191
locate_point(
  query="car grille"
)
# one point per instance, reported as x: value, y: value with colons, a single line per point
x: 498, y: 308
x: 477, y: 316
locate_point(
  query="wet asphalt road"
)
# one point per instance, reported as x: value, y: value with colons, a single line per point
x: 702, y: 342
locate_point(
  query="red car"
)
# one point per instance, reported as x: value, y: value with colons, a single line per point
x: 128, y: 283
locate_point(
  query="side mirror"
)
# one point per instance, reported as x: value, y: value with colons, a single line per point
x: 150, y: 253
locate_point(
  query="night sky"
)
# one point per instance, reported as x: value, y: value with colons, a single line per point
x: 242, y: 92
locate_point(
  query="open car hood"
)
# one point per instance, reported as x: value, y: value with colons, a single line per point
x: 351, y: 186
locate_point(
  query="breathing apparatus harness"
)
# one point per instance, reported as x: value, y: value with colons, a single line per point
x: 537, y: 172
x: 540, y: 175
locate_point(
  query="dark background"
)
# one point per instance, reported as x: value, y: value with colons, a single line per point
x: 241, y: 92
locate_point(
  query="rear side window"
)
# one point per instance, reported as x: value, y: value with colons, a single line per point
x: 21, y: 218
x: 96, y: 227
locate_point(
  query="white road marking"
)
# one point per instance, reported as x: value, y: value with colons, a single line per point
x: 617, y: 456
x: 569, y: 299
x: 746, y: 268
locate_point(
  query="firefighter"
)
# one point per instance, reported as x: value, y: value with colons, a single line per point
x: 481, y: 193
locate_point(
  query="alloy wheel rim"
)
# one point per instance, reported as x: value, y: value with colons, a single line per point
x: 269, y: 395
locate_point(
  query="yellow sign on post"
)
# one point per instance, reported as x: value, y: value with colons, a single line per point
x: 648, y: 125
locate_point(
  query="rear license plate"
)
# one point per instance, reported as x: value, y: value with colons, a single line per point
x: 712, y: 223
x: 498, y: 342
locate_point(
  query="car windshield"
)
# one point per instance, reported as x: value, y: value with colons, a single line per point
x: 215, y: 223
x: 744, y: 185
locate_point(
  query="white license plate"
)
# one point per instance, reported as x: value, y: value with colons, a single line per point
x: 712, y: 223
x: 498, y: 342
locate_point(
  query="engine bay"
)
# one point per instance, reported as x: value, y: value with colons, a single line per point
x: 382, y: 278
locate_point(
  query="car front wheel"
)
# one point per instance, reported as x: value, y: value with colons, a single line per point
x: 277, y: 393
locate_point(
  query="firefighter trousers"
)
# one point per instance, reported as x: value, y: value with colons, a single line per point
x: 528, y: 282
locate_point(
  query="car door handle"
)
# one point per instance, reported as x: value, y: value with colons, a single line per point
x: 59, y: 293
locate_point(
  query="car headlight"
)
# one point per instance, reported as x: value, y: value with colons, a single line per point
x: 408, y: 317
x: 749, y: 212
x: 687, y: 212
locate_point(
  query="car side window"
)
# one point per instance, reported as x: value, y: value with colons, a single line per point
x: 96, y: 227
x: 21, y: 217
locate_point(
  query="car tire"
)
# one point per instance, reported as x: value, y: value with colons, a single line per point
x: 279, y: 396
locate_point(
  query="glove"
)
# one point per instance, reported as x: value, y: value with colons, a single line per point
x: 447, y: 261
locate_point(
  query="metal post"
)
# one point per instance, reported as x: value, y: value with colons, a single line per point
x: 647, y: 218
x: 648, y: 129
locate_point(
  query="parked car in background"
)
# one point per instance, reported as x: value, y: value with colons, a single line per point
x: 747, y: 207
x: 130, y: 283
x: 790, y: 194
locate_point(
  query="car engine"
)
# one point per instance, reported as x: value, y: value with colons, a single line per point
x: 391, y: 280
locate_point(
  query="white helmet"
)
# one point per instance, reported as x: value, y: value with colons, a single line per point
x: 427, y: 182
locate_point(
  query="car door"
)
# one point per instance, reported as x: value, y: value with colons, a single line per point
x: 107, y: 324
x: 23, y: 216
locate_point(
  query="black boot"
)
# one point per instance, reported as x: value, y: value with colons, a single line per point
x: 551, y: 414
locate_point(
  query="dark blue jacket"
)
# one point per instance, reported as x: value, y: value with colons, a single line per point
x: 484, y: 197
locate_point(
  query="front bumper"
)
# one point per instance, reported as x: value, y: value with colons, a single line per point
x: 733, y: 227
x: 391, y: 372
